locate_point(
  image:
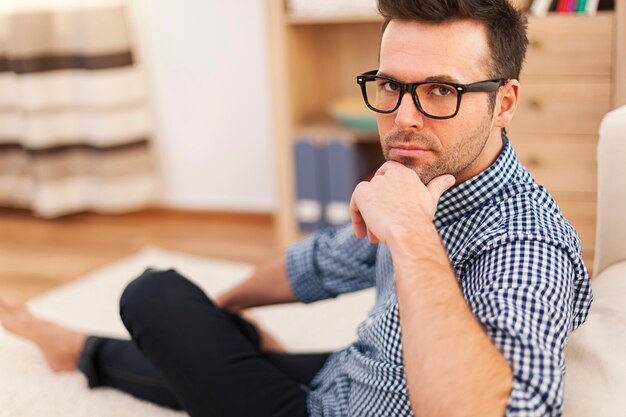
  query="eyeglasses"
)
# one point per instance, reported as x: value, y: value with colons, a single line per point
x: 434, y: 99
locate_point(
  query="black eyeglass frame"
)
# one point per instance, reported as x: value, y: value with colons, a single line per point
x: 486, y: 86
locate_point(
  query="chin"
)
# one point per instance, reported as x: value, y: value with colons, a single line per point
x: 423, y: 172
x: 425, y: 175
x: 404, y: 160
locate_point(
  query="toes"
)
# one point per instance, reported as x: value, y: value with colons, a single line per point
x: 14, y: 316
x: 8, y: 305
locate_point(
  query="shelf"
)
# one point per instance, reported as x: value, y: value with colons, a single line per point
x: 325, y: 126
x: 323, y: 20
x: 572, y: 58
x: 346, y: 19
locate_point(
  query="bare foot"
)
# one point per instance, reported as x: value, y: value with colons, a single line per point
x: 60, y: 346
x: 268, y: 343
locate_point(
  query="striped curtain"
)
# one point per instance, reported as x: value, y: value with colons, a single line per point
x: 74, y: 120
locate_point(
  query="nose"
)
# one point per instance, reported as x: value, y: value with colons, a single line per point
x: 408, y: 115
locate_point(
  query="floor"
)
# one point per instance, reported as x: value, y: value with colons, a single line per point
x: 37, y: 255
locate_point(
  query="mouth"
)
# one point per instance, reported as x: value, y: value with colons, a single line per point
x: 404, y: 150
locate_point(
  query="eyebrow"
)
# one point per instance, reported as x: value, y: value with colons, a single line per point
x: 440, y: 77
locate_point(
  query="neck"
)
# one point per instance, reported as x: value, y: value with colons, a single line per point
x: 491, y: 151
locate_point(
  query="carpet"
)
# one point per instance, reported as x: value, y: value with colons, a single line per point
x: 90, y: 304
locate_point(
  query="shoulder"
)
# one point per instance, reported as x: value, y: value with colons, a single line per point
x: 529, y: 212
x: 522, y: 212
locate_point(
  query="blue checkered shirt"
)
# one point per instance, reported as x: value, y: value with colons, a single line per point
x: 518, y: 262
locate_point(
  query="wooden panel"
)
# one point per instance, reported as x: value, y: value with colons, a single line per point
x: 318, y: 20
x: 305, y: 67
x: 559, y: 166
x: 554, y: 108
x: 570, y: 44
x: 283, y: 103
x: 582, y: 215
x: 349, y: 50
x: 619, y: 98
x: 324, y: 62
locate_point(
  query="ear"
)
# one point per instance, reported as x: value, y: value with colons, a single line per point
x: 507, y: 100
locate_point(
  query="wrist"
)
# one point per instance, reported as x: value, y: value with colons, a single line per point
x: 231, y: 300
x: 405, y: 240
x: 418, y: 249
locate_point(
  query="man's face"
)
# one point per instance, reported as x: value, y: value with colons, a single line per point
x: 455, y: 52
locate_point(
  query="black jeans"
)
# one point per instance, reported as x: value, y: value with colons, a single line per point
x: 187, y: 353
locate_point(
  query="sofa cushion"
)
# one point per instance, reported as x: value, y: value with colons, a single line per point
x: 595, y: 354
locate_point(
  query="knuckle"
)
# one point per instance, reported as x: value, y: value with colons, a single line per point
x: 360, y: 187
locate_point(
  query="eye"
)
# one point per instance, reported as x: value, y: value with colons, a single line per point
x: 441, y: 90
x: 390, y: 86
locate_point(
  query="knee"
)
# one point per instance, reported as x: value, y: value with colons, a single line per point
x: 153, y: 293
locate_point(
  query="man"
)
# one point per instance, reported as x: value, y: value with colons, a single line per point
x: 479, y: 277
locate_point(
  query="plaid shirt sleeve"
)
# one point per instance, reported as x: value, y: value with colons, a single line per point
x: 524, y: 300
x: 330, y: 262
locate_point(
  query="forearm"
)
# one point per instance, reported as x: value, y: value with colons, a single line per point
x: 268, y: 285
x: 452, y: 367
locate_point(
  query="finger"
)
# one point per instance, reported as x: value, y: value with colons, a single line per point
x: 218, y: 301
x: 248, y: 316
x: 358, y: 223
x: 438, y: 185
x: 383, y: 168
x: 386, y: 167
x: 372, y: 237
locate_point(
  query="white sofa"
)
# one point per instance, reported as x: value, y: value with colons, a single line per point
x: 595, y: 355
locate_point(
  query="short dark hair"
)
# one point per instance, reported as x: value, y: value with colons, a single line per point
x: 506, y: 26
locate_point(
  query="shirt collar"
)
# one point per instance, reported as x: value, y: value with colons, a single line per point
x: 466, y: 197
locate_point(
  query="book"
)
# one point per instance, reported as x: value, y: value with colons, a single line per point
x: 606, y: 4
x: 540, y: 7
x: 554, y: 5
x: 347, y: 166
x: 591, y: 8
x: 309, y: 207
x: 324, y: 180
x: 570, y: 5
x: 562, y: 6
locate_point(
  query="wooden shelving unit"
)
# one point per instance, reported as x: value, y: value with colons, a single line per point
x: 569, y: 82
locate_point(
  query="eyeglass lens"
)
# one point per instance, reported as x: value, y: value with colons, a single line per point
x: 439, y: 100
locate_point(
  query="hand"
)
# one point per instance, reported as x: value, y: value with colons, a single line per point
x: 394, y: 200
x: 223, y: 301
x: 268, y: 342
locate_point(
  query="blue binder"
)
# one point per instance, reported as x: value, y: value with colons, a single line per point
x: 346, y: 167
x: 309, y: 207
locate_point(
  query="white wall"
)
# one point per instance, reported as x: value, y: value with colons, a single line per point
x: 209, y: 78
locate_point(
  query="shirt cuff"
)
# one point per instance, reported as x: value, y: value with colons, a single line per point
x: 527, y: 401
x: 306, y: 284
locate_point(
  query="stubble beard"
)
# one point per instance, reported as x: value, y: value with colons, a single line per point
x: 453, y: 160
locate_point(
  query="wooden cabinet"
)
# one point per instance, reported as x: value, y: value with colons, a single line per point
x: 570, y: 44
x: 568, y: 84
x: 567, y: 88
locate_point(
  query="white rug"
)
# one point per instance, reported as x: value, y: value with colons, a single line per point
x: 90, y: 304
